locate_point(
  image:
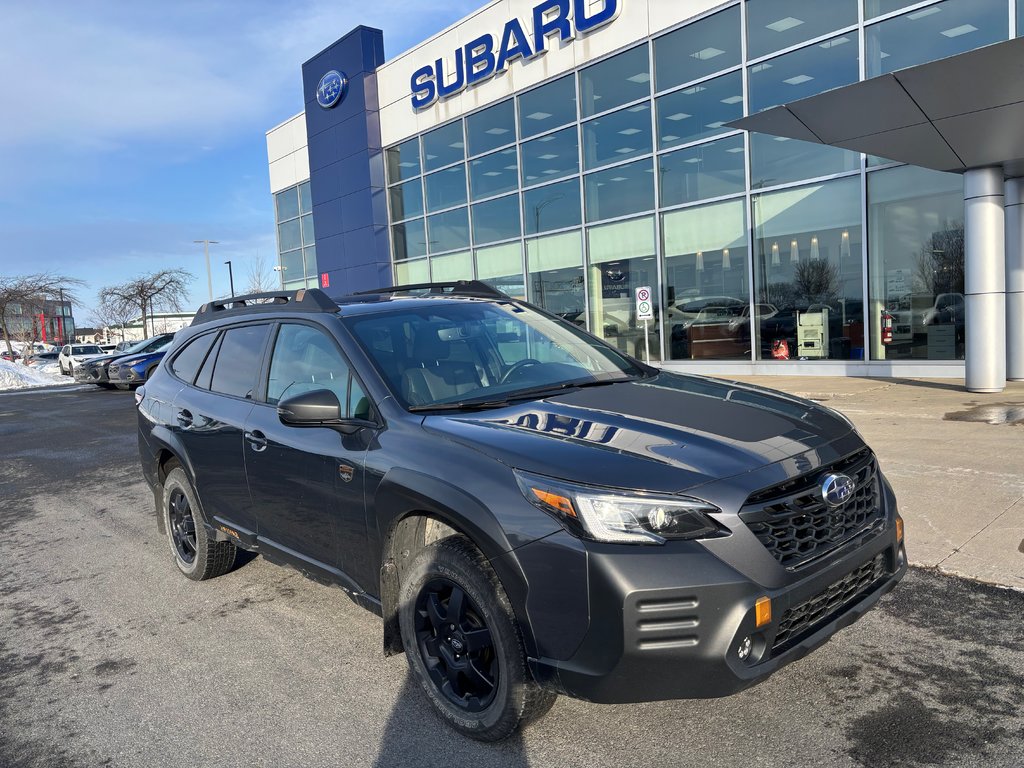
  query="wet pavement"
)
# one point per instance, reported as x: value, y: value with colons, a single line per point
x: 108, y: 657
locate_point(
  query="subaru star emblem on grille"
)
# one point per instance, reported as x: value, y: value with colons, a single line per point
x: 331, y: 89
x: 836, y: 489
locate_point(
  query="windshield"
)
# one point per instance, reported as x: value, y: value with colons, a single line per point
x: 458, y: 354
x: 154, y: 344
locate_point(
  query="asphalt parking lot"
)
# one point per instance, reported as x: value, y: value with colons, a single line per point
x: 109, y: 657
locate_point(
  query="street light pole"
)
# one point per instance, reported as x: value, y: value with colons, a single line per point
x: 231, y: 277
x: 209, y: 274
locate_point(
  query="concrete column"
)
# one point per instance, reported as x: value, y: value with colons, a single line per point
x: 1015, y: 279
x: 985, y: 279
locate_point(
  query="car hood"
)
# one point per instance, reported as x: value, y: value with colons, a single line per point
x: 130, y: 360
x: 669, y: 433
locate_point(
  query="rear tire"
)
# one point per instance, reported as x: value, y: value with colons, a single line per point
x: 464, y: 645
x: 197, y: 556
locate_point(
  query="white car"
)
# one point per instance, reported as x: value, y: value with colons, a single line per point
x: 73, y: 354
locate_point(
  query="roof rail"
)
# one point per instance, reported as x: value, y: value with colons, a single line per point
x: 474, y: 288
x: 302, y: 300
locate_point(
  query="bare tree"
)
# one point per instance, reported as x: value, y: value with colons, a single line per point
x: 24, y: 297
x: 166, y: 289
x: 816, y: 281
x: 261, y: 277
x: 111, y: 313
x: 940, y: 265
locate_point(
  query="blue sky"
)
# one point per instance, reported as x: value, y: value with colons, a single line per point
x: 128, y: 130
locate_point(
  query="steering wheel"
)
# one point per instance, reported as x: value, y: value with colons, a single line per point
x: 522, y: 364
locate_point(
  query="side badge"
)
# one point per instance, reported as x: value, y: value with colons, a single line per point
x: 346, y: 472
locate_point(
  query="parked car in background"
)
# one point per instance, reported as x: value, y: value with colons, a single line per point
x: 9, y: 356
x: 42, y: 358
x: 124, y: 346
x: 134, y: 370
x: 108, y: 348
x: 96, y: 371
x: 73, y: 355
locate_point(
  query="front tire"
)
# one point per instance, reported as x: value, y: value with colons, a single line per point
x: 464, y: 645
x: 197, y: 556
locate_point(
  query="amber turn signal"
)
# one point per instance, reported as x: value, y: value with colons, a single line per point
x: 899, y: 528
x: 561, y: 503
x: 763, y: 611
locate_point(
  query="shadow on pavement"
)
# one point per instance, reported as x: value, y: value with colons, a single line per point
x: 415, y: 736
x: 953, y: 385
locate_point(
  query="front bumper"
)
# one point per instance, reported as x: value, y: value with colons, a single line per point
x: 669, y: 624
x: 87, y: 374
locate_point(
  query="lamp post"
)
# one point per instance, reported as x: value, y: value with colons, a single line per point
x: 231, y: 277
x: 209, y: 274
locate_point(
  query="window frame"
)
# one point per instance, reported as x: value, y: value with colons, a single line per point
x: 169, y: 360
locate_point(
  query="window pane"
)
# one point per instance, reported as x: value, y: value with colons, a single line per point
x: 778, y: 160
x: 305, y: 198
x: 493, y: 174
x: 289, y: 235
x: 308, y: 238
x: 776, y: 24
x: 618, y: 136
x: 412, y: 272
x: 404, y: 161
x: 501, y: 266
x: 707, y: 170
x: 293, y: 265
x: 620, y: 191
x: 287, y: 204
x: 406, y: 200
x: 916, y: 221
x: 547, y: 107
x: 555, y: 206
x: 496, y: 220
x: 551, y: 157
x: 700, y: 111
x: 206, y: 372
x: 556, y: 275
x: 309, y: 256
x: 622, y: 259
x: 934, y: 32
x: 239, y: 359
x: 707, y: 301
x: 454, y: 266
x: 409, y: 240
x: 874, y: 8
x: 186, y: 363
x: 446, y: 188
x: 443, y: 146
x: 448, y: 231
x: 491, y: 128
x: 305, y: 360
x: 698, y: 50
x: 616, y: 81
x: 807, y: 269
x: 804, y: 73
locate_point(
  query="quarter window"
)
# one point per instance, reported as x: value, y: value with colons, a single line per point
x: 186, y: 363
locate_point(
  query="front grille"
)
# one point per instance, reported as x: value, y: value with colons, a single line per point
x: 809, y: 615
x: 795, y: 524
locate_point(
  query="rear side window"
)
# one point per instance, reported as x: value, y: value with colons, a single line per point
x: 239, y: 359
x: 186, y: 363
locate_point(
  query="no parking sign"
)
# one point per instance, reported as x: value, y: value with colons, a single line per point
x: 644, y: 304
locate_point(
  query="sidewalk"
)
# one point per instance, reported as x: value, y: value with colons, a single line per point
x: 960, y: 483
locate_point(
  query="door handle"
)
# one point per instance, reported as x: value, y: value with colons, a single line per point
x: 257, y: 440
x: 184, y: 419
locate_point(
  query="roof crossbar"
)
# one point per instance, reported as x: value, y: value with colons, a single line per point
x: 303, y: 300
x: 473, y: 288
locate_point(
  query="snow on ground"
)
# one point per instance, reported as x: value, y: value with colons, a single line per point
x: 18, y: 376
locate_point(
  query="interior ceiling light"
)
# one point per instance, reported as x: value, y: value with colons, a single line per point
x: 695, y: 89
x: 963, y: 29
x: 629, y: 131
x: 638, y: 108
x: 493, y: 173
x: 760, y: 67
x: 833, y: 43
x: 678, y: 116
x: 625, y: 150
x: 640, y: 77
x: 923, y: 12
x: 784, y: 24
x: 798, y: 80
x: 618, y: 178
x: 496, y: 131
x: 669, y: 138
x: 734, y: 150
x: 692, y: 160
x: 732, y: 100
x: 538, y: 116
x: 706, y: 53
x: 548, y: 156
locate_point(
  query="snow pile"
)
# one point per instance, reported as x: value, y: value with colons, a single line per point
x: 18, y: 376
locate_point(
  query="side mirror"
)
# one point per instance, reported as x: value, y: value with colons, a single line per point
x: 319, y: 408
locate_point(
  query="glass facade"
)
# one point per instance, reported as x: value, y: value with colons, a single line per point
x: 625, y: 173
x: 296, y: 242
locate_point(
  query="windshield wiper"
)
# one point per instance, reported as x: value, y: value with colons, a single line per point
x: 554, y: 389
x: 468, y: 405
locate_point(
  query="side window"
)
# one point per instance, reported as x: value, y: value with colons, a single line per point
x: 305, y: 359
x: 186, y: 363
x: 238, y: 361
x: 205, y: 377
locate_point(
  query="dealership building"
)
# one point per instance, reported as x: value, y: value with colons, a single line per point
x: 806, y: 187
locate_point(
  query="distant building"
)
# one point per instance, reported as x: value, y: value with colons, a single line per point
x: 158, y: 322
x: 49, y: 321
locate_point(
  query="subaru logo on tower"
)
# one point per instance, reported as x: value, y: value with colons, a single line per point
x: 331, y: 89
x: 837, y: 489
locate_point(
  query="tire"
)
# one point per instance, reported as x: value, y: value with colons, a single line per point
x: 104, y: 385
x: 197, y: 556
x: 485, y: 692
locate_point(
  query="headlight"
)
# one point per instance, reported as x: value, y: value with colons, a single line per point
x: 620, y: 516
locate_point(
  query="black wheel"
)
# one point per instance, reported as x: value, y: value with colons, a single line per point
x: 197, y: 555
x: 464, y: 645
